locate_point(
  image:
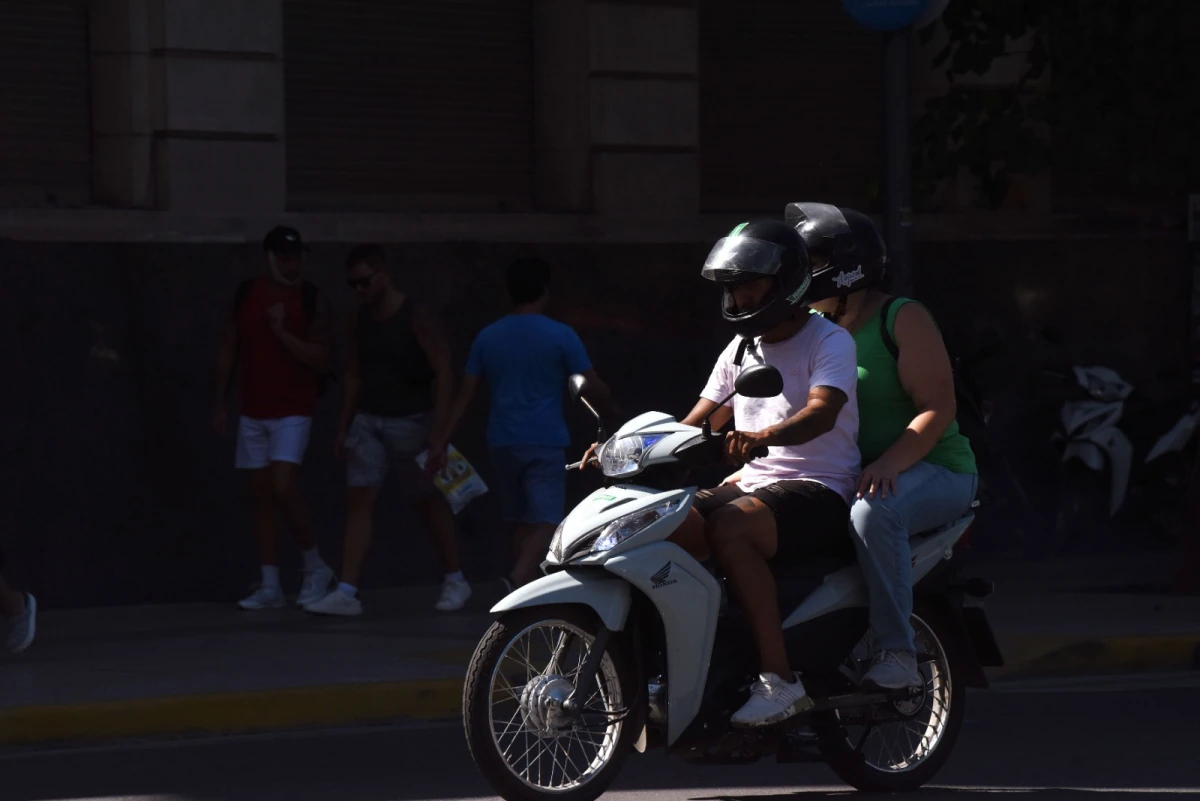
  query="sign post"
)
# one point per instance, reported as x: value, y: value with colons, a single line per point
x: 894, y: 19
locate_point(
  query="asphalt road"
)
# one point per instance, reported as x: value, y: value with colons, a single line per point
x: 1057, y: 741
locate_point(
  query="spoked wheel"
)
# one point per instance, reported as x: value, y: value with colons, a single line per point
x: 901, y: 745
x: 520, y: 736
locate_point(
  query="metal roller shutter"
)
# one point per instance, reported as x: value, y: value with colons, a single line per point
x: 791, y: 104
x: 395, y: 104
x: 45, y: 108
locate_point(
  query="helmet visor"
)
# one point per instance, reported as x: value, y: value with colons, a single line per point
x: 742, y: 257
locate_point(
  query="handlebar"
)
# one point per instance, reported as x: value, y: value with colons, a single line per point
x: 579, y: 464
x: 760, y: 452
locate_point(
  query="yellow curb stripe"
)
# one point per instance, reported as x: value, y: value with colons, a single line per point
x: 1128, y: 654
x: 235, y: 712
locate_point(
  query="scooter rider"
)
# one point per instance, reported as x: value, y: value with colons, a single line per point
x: 919, y: 472
x: 794, y: 503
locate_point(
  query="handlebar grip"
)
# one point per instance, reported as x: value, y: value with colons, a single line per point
x: 579, y: 464
x: 759, y: 452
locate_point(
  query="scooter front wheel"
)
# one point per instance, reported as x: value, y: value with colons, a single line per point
x: 520, y: 736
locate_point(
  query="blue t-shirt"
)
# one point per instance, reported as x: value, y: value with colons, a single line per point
x: 525, y: 359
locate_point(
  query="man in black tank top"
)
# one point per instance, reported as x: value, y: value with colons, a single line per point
x: 398, y: 378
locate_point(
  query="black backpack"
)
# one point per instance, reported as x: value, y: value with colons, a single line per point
x: 308, y: 295
x: 971, y: 422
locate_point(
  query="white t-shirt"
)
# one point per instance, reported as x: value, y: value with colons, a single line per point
x: 820, y: 354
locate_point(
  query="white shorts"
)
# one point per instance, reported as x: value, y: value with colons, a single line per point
x: 260, y: 442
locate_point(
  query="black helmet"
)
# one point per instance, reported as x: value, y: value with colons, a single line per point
x: 846, y: 240
x: 755, y: 250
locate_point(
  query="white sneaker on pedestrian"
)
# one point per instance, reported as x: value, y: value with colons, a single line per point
x: 315, y: 586
x: 455, y: 593
x: 336, y: 603
x: 893, y: 670
x: 771, y: 700
x: 22, y: 628
x: 264, y: 598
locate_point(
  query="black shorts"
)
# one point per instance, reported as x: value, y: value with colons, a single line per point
x: 811, y: 520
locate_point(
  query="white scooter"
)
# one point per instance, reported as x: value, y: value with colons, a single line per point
x: 628, y: 643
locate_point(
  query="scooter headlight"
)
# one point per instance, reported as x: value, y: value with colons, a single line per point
x: 621, y: 457
x: 624, y: 527
x: 556, y: 541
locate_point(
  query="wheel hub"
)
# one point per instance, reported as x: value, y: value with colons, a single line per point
x: 542, y: 705
x: 910, y: 700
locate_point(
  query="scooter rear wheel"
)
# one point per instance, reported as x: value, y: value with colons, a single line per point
x: 907, y: 751
x: 522, y: 670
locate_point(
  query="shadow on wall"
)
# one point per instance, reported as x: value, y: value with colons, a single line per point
x: 118, y: 491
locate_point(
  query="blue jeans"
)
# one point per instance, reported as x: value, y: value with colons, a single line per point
x: 927, y: 497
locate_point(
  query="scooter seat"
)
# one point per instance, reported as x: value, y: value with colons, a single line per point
x: 815, y: 568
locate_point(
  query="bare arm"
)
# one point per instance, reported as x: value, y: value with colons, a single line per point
x: 818, y: 417
x: 352, y: 381
x: 433, y: 340
x: 314, y: 352
x: 696, y: 416
x: 462, y: 402
x: 925, y: 373
x: 226, y: 356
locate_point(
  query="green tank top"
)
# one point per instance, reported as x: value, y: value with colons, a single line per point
x: 885, y: 409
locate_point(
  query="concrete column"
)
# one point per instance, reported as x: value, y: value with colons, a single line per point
x: 188, y: 107
x: 645, y: 121
x: 121, y: 132
x: 562, y: 139
x: 617, y: 117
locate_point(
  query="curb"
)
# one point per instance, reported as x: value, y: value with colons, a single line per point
x: 232, y: 713
x: 1033, y: 657
x: 441, y: 699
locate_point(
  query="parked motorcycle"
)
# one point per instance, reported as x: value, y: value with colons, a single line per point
x: 628, y: 643
x: 1112, y: 429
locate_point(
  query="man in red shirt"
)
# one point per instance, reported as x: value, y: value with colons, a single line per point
x: 280, y: 332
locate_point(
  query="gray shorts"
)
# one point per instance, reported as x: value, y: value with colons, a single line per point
x: 374, y: 443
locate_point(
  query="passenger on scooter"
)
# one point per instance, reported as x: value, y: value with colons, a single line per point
x: 919, y: 472
x: 792, y: 504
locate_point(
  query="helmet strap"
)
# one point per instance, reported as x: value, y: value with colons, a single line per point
x: 840, y: 311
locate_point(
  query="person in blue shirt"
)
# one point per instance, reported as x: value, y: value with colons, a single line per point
x: 525, y: 357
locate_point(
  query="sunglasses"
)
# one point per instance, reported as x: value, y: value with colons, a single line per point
x: 360, y: 283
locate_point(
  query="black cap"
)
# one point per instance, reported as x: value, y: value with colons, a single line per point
x: 282, y: 239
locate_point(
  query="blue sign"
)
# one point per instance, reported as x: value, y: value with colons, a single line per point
x: 885, y: 15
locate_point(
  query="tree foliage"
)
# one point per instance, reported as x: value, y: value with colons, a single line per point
x: 1102, y: 84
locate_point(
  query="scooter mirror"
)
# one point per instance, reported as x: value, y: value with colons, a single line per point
x: 578, y: 385
x: 759, y: 381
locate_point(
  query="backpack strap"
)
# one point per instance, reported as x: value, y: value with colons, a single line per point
x: 887, y: 322
x: 741, y: 352
x: 743, y: 346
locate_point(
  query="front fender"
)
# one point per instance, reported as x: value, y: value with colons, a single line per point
x: 606, y: 594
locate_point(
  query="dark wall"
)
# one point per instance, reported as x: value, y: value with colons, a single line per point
x: 116, y: 490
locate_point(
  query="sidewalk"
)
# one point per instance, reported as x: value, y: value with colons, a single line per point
x: 214, y: 669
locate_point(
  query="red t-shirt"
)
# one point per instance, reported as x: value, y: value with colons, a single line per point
x: 274, y: 382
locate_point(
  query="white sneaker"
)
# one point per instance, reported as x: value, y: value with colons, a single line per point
x: 315, y: 586
x: 264, y: 598
x: 22, y: 628
x: 454, y: 595
x: 336, y: 603
x: 771, y: 700
x: 893, y: 670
